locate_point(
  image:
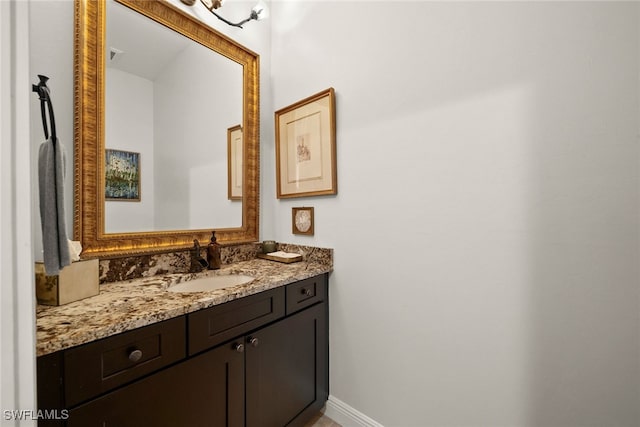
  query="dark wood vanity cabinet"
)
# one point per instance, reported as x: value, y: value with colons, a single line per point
x: 206, y: 390
x: 272, y: 370
x: 287, y: 370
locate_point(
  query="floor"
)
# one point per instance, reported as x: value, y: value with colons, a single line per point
x: 322, y: 421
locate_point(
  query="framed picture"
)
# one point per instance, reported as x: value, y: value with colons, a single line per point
x: 302, y: 221
x: 306, y: 147
x: 122, y: 176
x: 234, y: 162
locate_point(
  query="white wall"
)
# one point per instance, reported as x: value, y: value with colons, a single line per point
x: 198, y: 96
x: 486, y: 223
x: 17, y: 295
x: 129, y: 127
x: 51, y: 54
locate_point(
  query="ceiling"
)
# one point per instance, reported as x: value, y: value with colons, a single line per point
x: 146, y: 45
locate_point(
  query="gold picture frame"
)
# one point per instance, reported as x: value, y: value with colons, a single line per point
x: 89, y: 132
x: 302, y: 221
x: 234, y: 162
x: 306, y: 147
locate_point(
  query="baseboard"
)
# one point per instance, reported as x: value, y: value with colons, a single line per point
x: 347, y: 416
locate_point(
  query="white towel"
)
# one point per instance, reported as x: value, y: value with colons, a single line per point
x: 75, y: 249
x: 51, y: 174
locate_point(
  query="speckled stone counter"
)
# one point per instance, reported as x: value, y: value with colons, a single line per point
x: 123, y: 306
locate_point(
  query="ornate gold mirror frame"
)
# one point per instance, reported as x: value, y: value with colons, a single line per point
x: 89, y: 144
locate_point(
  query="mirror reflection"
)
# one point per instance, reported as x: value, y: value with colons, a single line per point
x: 175, y: 104
x: 194, y: 127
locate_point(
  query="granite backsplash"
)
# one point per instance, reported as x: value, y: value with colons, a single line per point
x: 137, y: 266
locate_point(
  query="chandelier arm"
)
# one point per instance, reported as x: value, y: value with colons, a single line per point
x: 238, y: 24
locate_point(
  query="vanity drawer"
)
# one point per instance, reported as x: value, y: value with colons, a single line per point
x: 94, y: 368
x: 306, y: 292
x: 215, y: 325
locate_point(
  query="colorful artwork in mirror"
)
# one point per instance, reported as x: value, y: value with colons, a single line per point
x: 122, y: 175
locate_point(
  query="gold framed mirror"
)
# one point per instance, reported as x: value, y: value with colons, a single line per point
x: 90, y: 207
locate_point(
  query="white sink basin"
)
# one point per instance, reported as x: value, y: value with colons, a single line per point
x: 211, y: 283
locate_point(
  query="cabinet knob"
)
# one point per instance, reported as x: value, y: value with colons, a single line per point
x: 306, y: 292
x: 239, y: 347
x: 135, y: 355
x: 253, y: 341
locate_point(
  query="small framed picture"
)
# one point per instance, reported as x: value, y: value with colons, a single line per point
x: 122, y: 176
x: 306, y: 147
x: 302, y: 221
x: 234, y: 162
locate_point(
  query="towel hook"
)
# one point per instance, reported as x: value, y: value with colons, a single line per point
x: 45, y: 98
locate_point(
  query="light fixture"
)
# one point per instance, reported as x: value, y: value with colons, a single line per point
x: 258, y: 12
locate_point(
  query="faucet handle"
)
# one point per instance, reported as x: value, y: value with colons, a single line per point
x: 196, y: 258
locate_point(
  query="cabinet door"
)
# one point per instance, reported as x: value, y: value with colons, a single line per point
x: 207, y: 390
x: 287, y: 369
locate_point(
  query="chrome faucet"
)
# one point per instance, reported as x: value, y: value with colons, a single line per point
x: 197, y: 262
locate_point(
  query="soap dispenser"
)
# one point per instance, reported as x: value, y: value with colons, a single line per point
x: 213, y: 253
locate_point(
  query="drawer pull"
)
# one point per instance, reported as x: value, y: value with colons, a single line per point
x: 306, y: 292
x: 253, y: 341
x: 239, y: 347
x: 135, y: 355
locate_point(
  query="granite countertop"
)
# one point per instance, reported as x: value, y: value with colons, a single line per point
x: 123, y: 306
